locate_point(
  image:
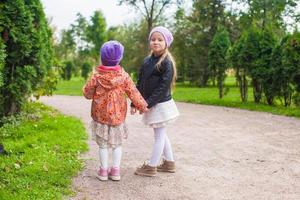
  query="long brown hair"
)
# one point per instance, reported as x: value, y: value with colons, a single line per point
x: 167, y: 55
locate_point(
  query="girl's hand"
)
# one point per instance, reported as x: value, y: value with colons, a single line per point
x: 132, y: 110
x: 144, y: 111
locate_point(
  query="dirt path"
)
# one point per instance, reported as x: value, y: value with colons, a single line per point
x: 220, y: 153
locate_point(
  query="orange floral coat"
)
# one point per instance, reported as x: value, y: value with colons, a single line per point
x: 107, y: 88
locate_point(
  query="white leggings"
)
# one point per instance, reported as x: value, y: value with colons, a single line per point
x: 161, y: 146
x: 116, y: 157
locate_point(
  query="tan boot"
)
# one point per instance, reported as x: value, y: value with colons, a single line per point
x: 166, y: 166
x: 146, y: 170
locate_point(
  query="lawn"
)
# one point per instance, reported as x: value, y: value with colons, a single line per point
x: 207, y: 96
x: 42, y: 154
x: 72, y: 87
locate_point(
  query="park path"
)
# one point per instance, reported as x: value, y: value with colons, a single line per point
x: 221, y: 153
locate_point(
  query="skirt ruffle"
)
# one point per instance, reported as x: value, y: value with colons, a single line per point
x: 107, y: 136
x: 161, y: 114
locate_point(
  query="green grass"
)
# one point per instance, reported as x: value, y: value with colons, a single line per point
x: 208, y: 96
x: 72, y: 87
x: 42, y: 154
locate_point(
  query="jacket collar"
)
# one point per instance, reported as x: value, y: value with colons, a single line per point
x: 109, y: 68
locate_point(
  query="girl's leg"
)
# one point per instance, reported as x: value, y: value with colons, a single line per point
x: 103, y: 171
x: 159, y: 143
x: 103, y: 154
x: 114, y: 173
x: 168, y: 153
x: 117, y: 156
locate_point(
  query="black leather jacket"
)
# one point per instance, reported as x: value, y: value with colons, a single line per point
x: 154, y: 84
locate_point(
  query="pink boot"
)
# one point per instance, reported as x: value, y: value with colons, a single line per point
x: 114, y: 173
x: 102, y: 174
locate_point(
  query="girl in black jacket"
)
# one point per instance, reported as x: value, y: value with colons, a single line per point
x: 156, y: 78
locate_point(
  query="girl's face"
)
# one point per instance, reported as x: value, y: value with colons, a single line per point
x: 157, y: 43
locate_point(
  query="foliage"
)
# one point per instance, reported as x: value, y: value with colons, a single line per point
x: 136, y: 47
x: 85, y: 70
x: 96, y: 33
x: 254, y: 56
x: 291, y: 66
x: 65, y: 50
x: 150, y: 10
x: 263, y: 72
x: 181, y: 43
x: 206, y: 16
x: 27, y: 38
x: 48, y: 85
x: 237, y: 63
x: 217, y: 57
x: 68, y: 67
x: 80, y: 44
x: 268, y: 14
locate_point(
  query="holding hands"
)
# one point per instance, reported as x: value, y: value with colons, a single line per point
x: 133, y: 110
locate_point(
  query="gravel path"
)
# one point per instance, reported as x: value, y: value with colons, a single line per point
x: 221, y: 153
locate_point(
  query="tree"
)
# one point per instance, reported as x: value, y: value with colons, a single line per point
x: 79, y: 32
x: 151, y: 10
x: 268, y: 13
x: 68, y: 68
x: 237, y: 62
x: 66, y: 48
x: 112, y: 33
x: 83, y: 48
x: 250, y: 55
x: 85, y: 69
x: 133, y: 38
x: 96, y: 34
x: 217, y: 57
x: 264, y: 69
x: 181, y: 43
x: 291, y: 66
x: 42, y: 51
x: 206, y: 16
x: 27, y: 39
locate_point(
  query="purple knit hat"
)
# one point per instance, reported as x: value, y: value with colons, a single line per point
x: 165, y: 32
x: 111, y: 53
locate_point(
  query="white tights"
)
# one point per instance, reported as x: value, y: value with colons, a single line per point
x: 116, y: 157
x: 161, y: 146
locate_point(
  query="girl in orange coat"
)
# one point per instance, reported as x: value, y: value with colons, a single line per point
x: 107, y: 89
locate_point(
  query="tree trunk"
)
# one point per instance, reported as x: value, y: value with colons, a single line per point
x: 204, y: 78
x: 220, y: 86
x: 150, y: 25
x: 243, y: 87
x: 270, y: 100
x: 257, y: 90
x: 220, y: 78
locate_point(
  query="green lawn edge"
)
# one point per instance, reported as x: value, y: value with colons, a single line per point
x: 196, y: 95
x: 42, y: 157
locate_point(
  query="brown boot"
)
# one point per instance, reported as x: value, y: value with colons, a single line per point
x: 166, y: 166
x: 145, y: 170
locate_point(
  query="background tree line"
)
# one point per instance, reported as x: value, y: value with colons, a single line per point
x: 250, y: 37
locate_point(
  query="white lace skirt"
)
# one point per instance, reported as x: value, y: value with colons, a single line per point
x: 161, y: 114
x: 109, y: 136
